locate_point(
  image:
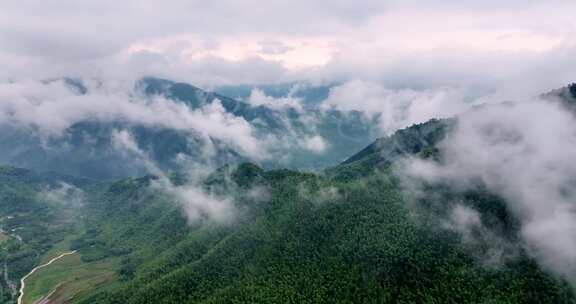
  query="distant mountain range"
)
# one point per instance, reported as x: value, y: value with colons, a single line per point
x: 361, y: 231
x: 306, y: 138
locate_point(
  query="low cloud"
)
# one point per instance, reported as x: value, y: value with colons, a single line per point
x: 490, y: 249
x: 48, y: 111
x: 399, y: 108
x: 316, y: 144
x: 197, y: 202
x: 64, y: 194
x: 51, y: 108
x: 524, y: 153
x: 318, y: 194
x: 300, y: 126
x: 259, y: 98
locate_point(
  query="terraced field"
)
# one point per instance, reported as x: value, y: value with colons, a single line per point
x: 66, y: 279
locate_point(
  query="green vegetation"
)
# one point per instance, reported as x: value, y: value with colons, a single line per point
x: 419, y: 139
x: 67, y: 278
x: 347, y: 236
x: 3, y: 237
x: 33, y: 222
x: 312, y: 240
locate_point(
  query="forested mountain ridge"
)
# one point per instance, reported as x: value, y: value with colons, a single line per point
x: 417, y: 139
x: 173, y: 123
x: 344, y: 132
x: 354, y: 233
x: 287, y: 151
x: 422, y: 139
x: 309, y: 239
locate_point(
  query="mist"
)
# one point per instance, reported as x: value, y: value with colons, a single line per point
x: 196, y: 201
x: 398, y: 108
x: 51, y: 108
x: 522, y: 152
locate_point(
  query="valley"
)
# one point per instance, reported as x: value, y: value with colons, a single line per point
x: 65, y: 279
x: 290, y: 152
x: 22, y: 296
x: 246, y: 234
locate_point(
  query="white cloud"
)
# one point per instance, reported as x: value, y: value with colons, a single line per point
x: 465, y: 219
x: 420, y: 42
x: 489, y: 248
x: 524, y: 153
x: 52, y: 108
x: 64, y: 194
x: 196, y: 202
x: 259, y: 98
x: 316, y: 144
x: 274, y: 47
x: 398, y: 108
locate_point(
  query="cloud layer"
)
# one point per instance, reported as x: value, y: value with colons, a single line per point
x: 51, y: 108
x: 412, y: 43
x: 524, y: 153
x: 196, y: 202
x: 399, y: 108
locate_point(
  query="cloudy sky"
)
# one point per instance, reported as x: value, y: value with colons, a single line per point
x: 400, y: 43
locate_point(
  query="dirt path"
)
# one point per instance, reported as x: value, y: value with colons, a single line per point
x: 22, y: 281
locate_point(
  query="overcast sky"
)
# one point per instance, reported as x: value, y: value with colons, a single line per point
x: 399, y: 43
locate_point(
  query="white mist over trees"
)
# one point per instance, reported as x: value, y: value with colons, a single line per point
x: 523, y: 152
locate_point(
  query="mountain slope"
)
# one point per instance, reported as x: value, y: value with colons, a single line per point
x: 310, y: 239
x: 82, y: 143
x: 355, y: 234
x: 417, y: 139
x: 301, y: 237
x: 36, y: 212
x: 343, y: 132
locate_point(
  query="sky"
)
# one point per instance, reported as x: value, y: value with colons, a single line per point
x: 410, y: 43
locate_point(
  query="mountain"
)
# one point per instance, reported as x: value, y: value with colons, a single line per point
x: 308, y: 239
x: 343, y: 132
x: 298, y: 237
x: 309, y: 94
x: 287, y: 136
x: 420, y: 139
x: 355, y: 232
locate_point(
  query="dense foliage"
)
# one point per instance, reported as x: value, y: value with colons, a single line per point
x: 311, y: 240
x: 351, y: 235
x: 419, y: 139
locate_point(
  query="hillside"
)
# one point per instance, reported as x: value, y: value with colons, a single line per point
x: 37, y: 211
x: 310, y: 239
x: 287, y: 151
x: 304, y: 237
x: 420, y: 139
x: 362, y: 231
x: 172, y: 123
